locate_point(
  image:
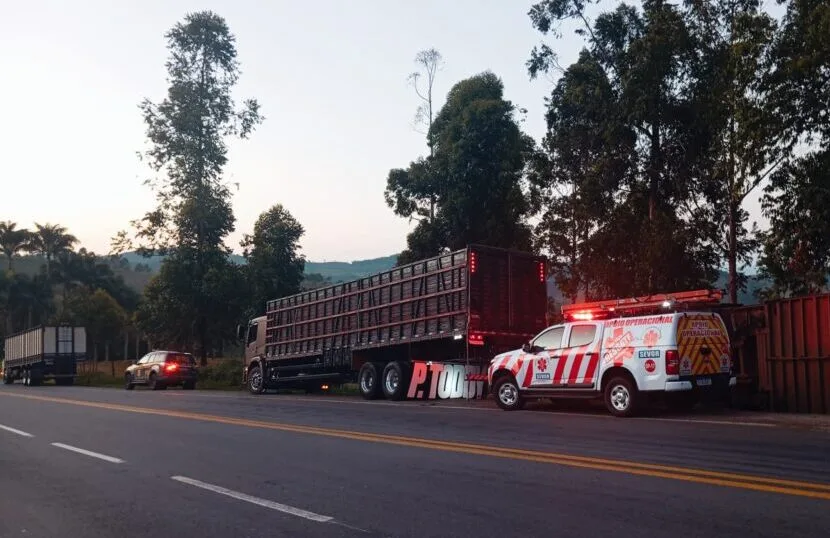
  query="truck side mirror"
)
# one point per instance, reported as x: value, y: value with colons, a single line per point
x: 240, y: 332
x: 526, y: 347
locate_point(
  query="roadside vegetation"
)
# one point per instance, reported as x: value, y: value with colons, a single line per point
x: 672, y: 118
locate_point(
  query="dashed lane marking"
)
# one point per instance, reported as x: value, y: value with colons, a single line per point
x: 16, y: 431
x: 88, y: 453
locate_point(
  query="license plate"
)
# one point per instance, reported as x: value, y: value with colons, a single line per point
x: 704, y: 382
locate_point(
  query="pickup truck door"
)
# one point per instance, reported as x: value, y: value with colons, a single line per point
x: 546, y: 357
x: 578, y: 365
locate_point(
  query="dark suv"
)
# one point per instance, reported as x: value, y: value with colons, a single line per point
x: 161, y: 369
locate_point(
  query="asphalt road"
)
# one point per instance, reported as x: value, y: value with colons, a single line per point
x: 81, y: 462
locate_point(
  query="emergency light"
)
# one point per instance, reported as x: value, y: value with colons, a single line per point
x: 598, y: 310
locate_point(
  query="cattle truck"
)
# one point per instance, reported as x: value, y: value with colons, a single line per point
x: 42, y: 353
x: 422, y: 330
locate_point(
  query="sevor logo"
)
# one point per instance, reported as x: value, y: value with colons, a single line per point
x: 542, y: 364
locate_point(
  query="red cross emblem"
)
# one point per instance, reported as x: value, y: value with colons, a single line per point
x: 651, y: 338
x: 542, y: 364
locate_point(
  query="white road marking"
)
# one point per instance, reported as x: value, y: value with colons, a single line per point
x: 88, y: 453
x: 13, y: 430
x: 255, y: 500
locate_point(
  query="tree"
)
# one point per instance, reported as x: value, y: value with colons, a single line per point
x: 99, y: 313
x: 83, y: 269
x: 169, y: 314
x: 796, y: 248
x: 12, y: 240
x: 29, y: 301
x: 49, y: 240
x: 646, y: 56
x: 586, y: 155
x: 413, y: 193
x: 480, y: 155
x: 800, y: 73
x: 275, y: 267
x: 187, y: 133
x: 736, y: 137
x: 430, y: 61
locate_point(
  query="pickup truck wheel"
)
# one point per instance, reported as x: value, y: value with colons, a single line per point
x: 128, y: 382
x: 621, y: 397
x: 507, y: 393
x: 256, y: 384
x: 394, y: 381
x: 369, y: 381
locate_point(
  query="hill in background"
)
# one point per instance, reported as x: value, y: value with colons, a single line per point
x: 334, y: 271
x: 137, y: 272
x: 134, y: 277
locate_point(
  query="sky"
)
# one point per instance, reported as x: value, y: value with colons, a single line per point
x: 331, y: 79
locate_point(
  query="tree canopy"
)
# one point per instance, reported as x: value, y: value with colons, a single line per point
x: 475, y: 174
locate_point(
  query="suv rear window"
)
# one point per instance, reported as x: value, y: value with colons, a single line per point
x: 180, y: 358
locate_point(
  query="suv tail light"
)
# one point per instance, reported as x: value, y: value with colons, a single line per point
x: 672, y: 362
x: 172, y: 367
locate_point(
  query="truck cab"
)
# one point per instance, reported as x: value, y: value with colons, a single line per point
x: 252, y: 336
x: 600, y: 352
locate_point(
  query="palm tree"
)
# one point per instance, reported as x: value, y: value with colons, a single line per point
x: 12, y: 240
x: 49, y: 240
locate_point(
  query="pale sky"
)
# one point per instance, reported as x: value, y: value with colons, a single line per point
x: 331, y: 79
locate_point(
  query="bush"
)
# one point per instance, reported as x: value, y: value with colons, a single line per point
x: 225, y: 373
x: 98, y: 379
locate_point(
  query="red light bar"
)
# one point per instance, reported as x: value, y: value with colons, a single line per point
x: 473, y: 262
x: 661, y: 300
x: 582, y: 316
x: 541, y: 271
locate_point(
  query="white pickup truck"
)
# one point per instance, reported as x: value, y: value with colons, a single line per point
x: 624, y: 360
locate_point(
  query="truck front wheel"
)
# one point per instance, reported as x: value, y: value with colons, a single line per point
x: 507, y: 393
x: 256, y: 383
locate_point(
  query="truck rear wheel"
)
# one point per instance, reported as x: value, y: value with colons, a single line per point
x: 394, y: 380
x: 369, y: 381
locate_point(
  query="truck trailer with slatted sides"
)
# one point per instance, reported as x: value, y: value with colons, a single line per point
x: 422, y: 330
x: 42, y: 353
